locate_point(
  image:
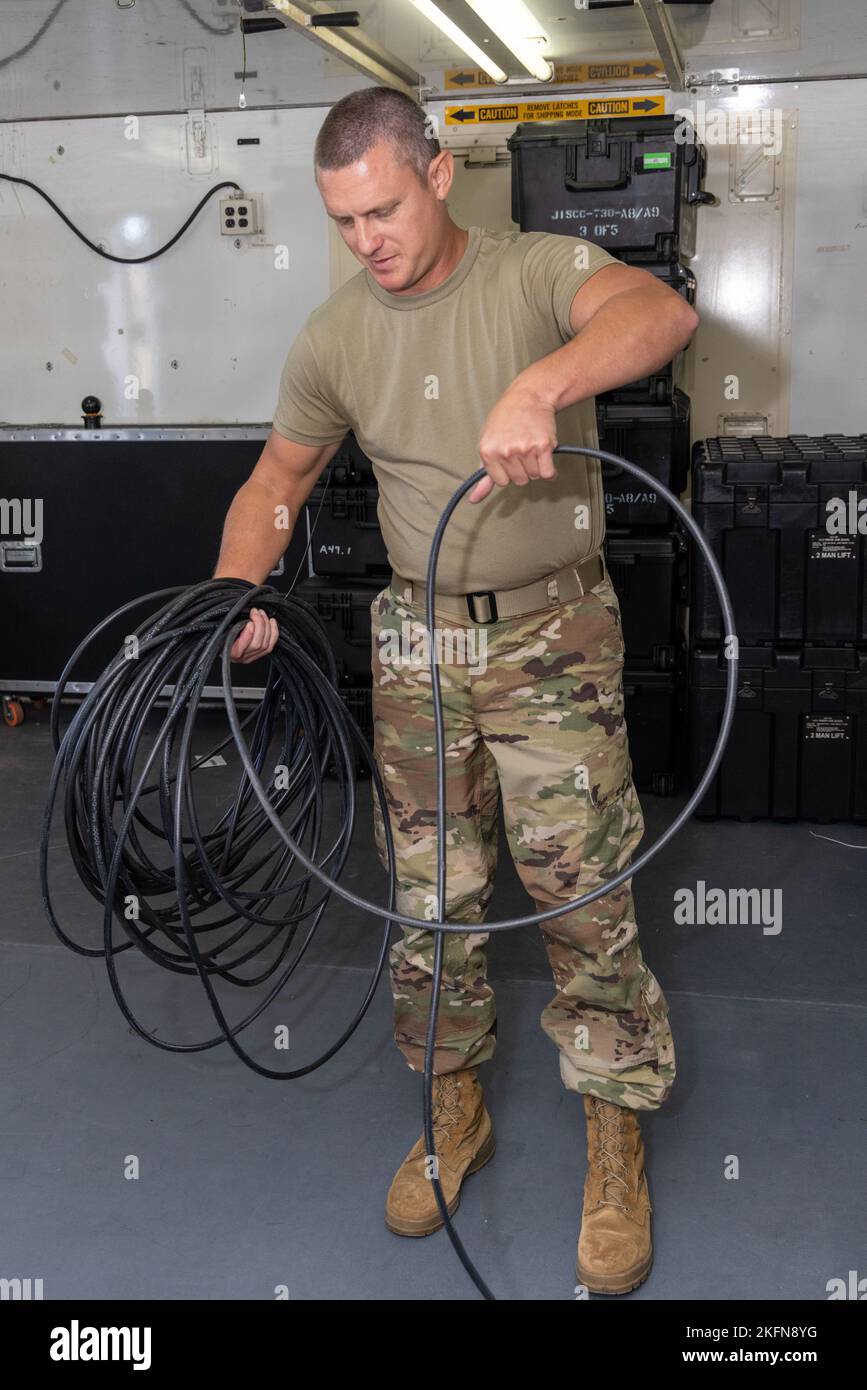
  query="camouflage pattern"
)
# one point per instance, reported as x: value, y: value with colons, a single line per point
x: 541, y: 723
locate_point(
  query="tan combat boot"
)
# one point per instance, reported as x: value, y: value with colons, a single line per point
x: 614, y: 1249
x: 464, y: 1141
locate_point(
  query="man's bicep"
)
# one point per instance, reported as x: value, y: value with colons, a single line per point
x: 288, y: 468
x: 603, y: 285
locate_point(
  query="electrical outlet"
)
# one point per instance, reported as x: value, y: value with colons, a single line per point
x: 241, y: 215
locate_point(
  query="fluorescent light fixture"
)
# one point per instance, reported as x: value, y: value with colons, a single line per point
x: 457, y: 36
x: 519, y: 30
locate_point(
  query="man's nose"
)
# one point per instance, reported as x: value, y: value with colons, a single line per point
x: 367, y: 242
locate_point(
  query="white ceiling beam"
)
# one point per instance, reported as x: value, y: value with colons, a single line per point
x: 362, y: 52
x: 659, y: 24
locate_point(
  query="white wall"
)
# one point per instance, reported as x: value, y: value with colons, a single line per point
x: 782, y: 282
x: 88, y: 58
x: 224, y: 316
x: 829, y: 301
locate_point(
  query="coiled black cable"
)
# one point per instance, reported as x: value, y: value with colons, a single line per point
x: 174, y: 650
x: 97, y: 760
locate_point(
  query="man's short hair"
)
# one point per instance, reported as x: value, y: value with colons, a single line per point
x: 364, y: 118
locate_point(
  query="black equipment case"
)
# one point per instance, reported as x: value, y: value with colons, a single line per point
x: 343, y: 608
x: 343, y: 526
x: 656, y: 437
x: 763, y: 504
x: 655, y: 721
x: 351, y: 464
x: 649, y: 577
x: 125, y: 512
x: 630, y: 184
x: 798, y: 745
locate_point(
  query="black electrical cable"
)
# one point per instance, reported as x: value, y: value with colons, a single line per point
x: 206, y: 24
x: 108, y: 255
x: 172, y: 656
x: 46, y: 24
x: 97, y: 759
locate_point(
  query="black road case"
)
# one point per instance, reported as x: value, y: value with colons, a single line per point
x: 763, y: 504
x: 358, y: 697
x: 649, y: 578
x: 343, y: 527
x: 656, y: 437
x: 798, y: 745
x: 656, y: 725
x: 343, y: 608
x: 351, y: 464
x: 125, y: 512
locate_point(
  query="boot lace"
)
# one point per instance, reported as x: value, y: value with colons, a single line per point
x: 610, y: 1119
x: 446, y: 1107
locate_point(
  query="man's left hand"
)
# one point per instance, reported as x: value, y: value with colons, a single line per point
x: 516, y: 442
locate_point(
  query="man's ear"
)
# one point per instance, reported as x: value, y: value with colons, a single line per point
x: 441, y: 172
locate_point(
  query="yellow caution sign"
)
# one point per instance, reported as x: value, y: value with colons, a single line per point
x: 582, y: 110
x: 618, y: 70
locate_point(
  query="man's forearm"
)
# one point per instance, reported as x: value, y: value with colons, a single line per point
x: 254, y: 533
x: 630, y: 336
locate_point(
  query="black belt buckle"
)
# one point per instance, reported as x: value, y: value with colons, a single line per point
x: 491, y: 599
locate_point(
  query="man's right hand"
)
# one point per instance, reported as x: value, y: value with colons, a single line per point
x: 252, y: 543
x: 256, y: 639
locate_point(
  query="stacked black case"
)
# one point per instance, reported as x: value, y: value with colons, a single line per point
x: 633, y: 186
x: 349, y: 566
x: 787, y: 520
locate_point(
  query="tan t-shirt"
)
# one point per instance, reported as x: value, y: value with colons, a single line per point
x: 416, y: 376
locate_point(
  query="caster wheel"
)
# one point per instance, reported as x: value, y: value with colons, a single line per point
x: 13, y: 712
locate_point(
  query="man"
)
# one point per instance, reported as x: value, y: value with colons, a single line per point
x: 451, y: 346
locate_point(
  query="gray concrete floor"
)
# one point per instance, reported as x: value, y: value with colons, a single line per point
x: 247, y: 1184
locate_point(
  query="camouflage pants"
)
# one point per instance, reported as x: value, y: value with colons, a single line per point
x: 533, y: 711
